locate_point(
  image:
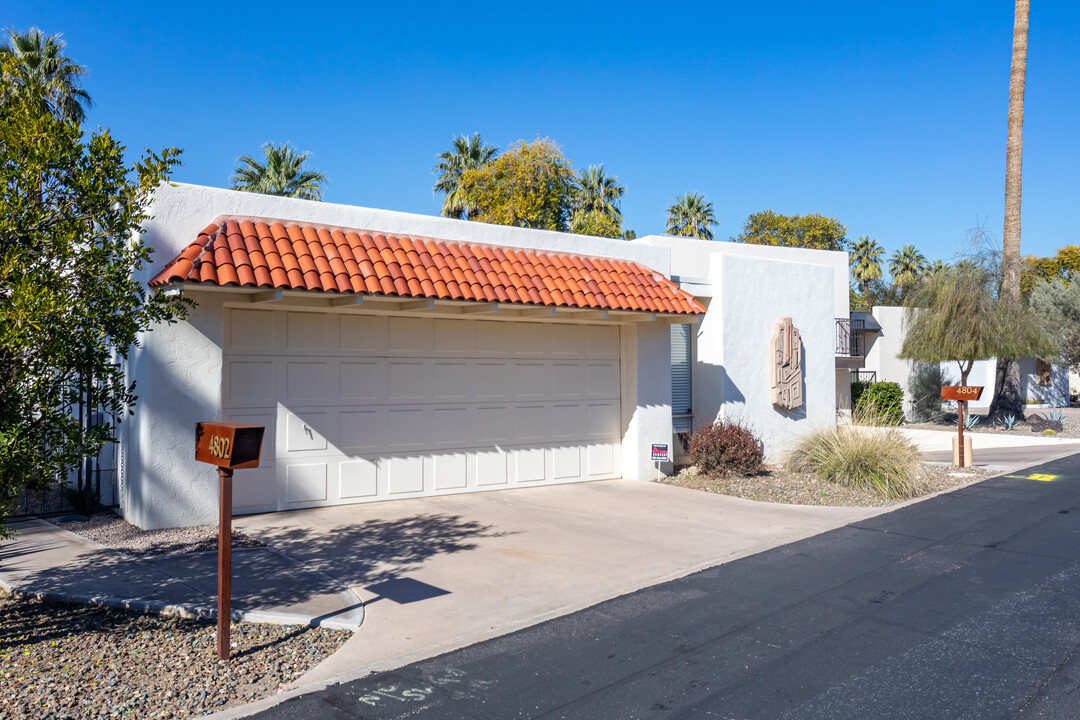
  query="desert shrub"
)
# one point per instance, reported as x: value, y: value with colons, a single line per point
x: 924, y: 385
x: 857, y: 456
x: 725, y: 446
x: 881, y: 404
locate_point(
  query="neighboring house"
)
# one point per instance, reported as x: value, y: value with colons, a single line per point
x: 1044, y: 384
x: 393, y: 356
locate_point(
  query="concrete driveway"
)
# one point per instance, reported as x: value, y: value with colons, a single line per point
x: 441, y: 573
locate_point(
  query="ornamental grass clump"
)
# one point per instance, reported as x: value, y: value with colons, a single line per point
x: 725, y: 447
x: 861, y: 457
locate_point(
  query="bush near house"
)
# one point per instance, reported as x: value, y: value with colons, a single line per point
x: 881, y: 404
x: 725, y: 446
x: 862, y: 457
x: 858, y: 387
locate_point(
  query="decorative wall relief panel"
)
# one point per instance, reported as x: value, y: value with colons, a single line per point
x: 787, y: 371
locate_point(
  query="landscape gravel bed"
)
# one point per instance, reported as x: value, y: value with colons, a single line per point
x: 780, y: 486
x: 71, y: 662
x: 1070, y: 425
x: 113, y: 531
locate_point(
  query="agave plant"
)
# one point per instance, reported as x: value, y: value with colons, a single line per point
x: 1056, y: 416
x: 971, y: 421
x: 1009, y: 421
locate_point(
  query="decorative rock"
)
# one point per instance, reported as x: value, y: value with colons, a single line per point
x: 1038, y: 424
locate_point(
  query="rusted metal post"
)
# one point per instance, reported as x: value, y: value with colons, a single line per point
x: 224, y: 583
x: 960, y: 406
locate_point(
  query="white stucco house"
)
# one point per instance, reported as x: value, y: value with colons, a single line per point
x: 393, y: 356
x: 1043, y: 384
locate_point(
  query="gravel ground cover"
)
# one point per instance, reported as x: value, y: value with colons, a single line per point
x: 1070, y: 425
x: 72, y: 662
x: 780, y: 486
x: 113, y: 531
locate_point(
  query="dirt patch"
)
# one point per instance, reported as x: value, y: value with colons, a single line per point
x: 115, y: 532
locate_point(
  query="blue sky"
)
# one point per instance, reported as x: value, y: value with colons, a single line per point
x: 889, y: 116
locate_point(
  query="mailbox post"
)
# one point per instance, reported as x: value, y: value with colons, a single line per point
x: 228, y: 446
x: 961, y: 394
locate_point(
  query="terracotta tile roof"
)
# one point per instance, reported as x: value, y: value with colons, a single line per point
x: 248, y: 253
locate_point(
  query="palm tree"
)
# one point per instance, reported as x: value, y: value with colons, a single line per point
x: 907, y: 265
x: 41, y: 64
x: 691, y: 216
x: 935, y: 267
x: 283, y: 174
x: 865, y: 258
x: 1007, y: 380
x: 597, y: 192
x: 466, y: 153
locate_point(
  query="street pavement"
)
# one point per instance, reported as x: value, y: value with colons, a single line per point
x: 965, y: 605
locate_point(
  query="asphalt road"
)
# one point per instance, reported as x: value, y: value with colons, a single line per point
x: 966, y: 605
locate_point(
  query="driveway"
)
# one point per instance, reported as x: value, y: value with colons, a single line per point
x: 441, y: 573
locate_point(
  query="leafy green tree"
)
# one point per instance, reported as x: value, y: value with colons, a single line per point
x: 530, y: 185
x: 865, y: 258
x: 958, y: 316
x: 466, y: 153
x: 283, y: 174
x: 806, y: 231
x: 1057, y: 302
x: 907, y: 266
x: 597, y: 192
x: 594, y: 222
x: 71, y: 209
x: 691, y: 216
x: 1064, y: 264
x: 37, y: 61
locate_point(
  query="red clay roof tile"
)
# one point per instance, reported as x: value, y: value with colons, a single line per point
x: 302, y: 257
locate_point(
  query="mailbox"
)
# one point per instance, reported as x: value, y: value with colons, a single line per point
x: 228, y: 445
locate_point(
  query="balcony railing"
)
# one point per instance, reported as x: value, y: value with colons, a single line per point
x: 850, y: 337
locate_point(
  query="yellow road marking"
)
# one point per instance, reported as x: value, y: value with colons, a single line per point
x: 1037, y: 476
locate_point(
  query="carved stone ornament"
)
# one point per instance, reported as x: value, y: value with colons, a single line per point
x: 787, y: 375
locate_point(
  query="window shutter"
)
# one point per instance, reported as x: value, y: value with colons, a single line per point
x: 681, y: 398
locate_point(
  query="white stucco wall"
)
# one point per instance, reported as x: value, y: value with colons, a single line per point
x: 732, y: 372
x: 690, y: 258
x: 646, y: 396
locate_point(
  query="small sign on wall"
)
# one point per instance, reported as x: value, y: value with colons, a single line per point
x: 660, y: 452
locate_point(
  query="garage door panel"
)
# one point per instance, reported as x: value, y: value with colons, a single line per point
x: 309, y: 332
x: 251, y: 330
x: 250, y: 489
x: 405, y: 475
x: 493, y: 339
x: 602, y: 341
x: 451, y: 381
x: 493, y: 424
x: 531, y: 380
x: 568, y: 421
x: 250, y: 383
x: 452, y: 426
x: 363, y: 334
x: 363, y: 381
x: 601, y: 459
x: 532, y: 423
x: 530, y: 464
x: 567, y: 379
x: 564, y: 340
x: 450, y: 471
x: 409, y: 380
x: 410, y: 335
x: 306, y: 381
x: 307, y: 433
x: 529, y: 339
x: 566, y: 462
x: 602, y: 380
x: 491, y: 468
x: 453, y: 338
x: 489, y: 381
x: 358, y: 478
x: 408, y: 428
x: 305, y: 483
x: 362, y: 431
x: 603, y: 420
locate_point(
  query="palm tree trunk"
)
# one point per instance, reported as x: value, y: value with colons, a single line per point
x: 1007, y: 390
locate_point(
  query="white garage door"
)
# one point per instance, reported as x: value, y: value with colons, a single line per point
x: 359, y: 408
